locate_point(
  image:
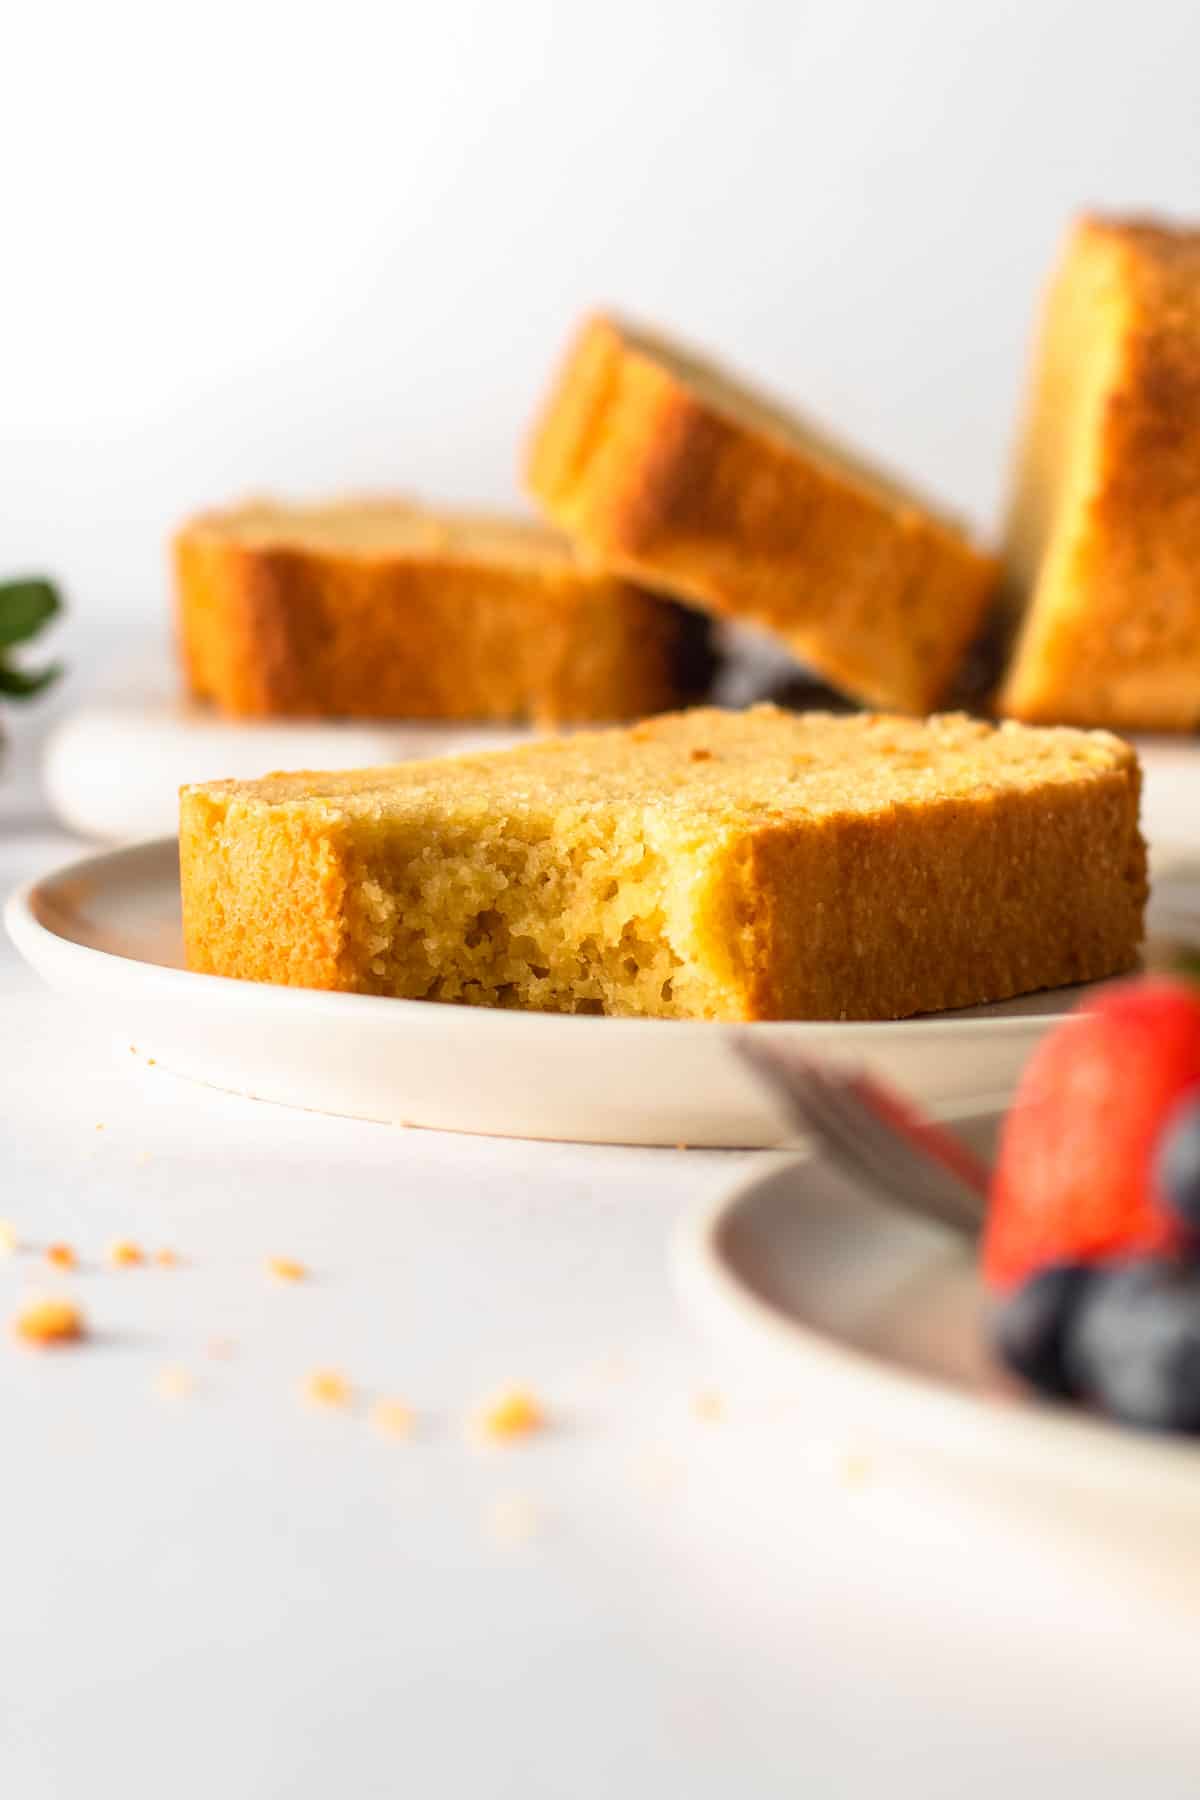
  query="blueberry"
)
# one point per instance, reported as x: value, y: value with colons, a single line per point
x: 1177, y: 1164
x: 1133, y: 1346
x: 1030, y: 1325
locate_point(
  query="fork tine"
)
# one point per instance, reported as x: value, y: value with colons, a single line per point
x: 874, y: 1151
x: 808, y: 1099
x: 892, y: 1107
x: 877, y: 1136
x: 905, y: 1164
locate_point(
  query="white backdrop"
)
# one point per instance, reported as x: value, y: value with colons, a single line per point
x: 306, y: 247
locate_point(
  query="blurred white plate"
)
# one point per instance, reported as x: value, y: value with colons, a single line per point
x: 113, y: 768
x: 106, y: 931
x: 875, y: 1323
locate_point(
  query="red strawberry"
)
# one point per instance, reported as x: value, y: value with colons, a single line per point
x: 1074, y: 1179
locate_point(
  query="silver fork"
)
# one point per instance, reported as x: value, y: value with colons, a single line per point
x: 874, y: 1133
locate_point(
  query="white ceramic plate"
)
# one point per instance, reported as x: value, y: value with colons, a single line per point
x: 106, y: 931
x: 874, y: 1320
x: 113, y: 768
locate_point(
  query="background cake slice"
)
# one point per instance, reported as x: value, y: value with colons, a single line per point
x: 1103, y: 539
x: 708, y: 864
x: 666, y: 470
x: 382, y: 609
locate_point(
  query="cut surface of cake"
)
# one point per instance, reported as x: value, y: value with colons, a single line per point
x: 706, y: 864
x: 1103, y: 539
x: 667, y: 470
x: 384, y: 609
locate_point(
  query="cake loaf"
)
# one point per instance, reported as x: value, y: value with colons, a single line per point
x: 712, y: 865
x: 1103, y: 540
x: 667, y: 471
x: 380, y: 609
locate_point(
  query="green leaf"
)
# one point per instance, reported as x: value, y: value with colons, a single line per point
x: 18, y: 685
x: 25, y: 606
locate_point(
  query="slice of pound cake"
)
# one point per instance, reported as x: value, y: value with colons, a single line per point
x: 667, y: 471
x: 381, y: 609
x: 1103, y: 542
x: 707, y: 864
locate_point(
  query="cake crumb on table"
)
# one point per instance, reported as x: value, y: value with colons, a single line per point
x: 124, y: 1254
x: 513, y: 1519
x: 166, y: 1259
x: 50, y: 1320
x: 327, y: 1387
x: 285, y: 1268
x: 61, y: 1256
x: 9, y: 1241
x: 708, y: 1405
x: 855, y: 1467
x: 173, y: 1382
x: 393, y: 1418
x: 511, y: 1414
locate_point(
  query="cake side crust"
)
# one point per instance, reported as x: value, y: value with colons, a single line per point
x: 961, y: 904
x: 293, y: 632
x: 1112, y: 635
x: 264, y: 897
x: 878, y: 594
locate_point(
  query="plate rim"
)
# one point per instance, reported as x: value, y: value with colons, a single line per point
x: 29, y: 932
x: 1053, y: 1443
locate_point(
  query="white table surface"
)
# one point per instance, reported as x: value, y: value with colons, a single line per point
x: 231, y: 1594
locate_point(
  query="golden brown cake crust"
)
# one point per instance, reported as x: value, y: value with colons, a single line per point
x: 702, y: 865
x: 305, y: 628
x: 637, y: 456
x: 1112, y: 635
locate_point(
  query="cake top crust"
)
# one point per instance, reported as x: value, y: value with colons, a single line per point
x: 382, y: 526
x: 742, y: 402
x: 751, y: 769
x: 1144, y: 232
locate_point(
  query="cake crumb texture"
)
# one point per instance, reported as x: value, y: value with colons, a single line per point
x: 806, y: 867
x: 1103, y: 539
x: 383, y: 609
x: 668, y: 471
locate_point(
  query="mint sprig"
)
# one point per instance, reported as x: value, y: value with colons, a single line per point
x: 25, y: 608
